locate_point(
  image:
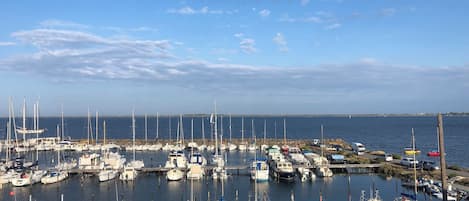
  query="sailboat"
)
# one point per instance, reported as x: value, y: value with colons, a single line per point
x: 252, y: 146
x: 231, y: 145
x: 415, y: 182
x: 218, y: 172
x: 435, y: 153
x: 285, y: 146
x: 196, y: 160
x: 130, y: 169
x: 411, y: 150
x: 242, y: 146
x: 55, y: 176
x: 264, y: 146
x: 322, y: 170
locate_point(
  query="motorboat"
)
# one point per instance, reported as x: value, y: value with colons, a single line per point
x: 176, y: 159
x: 196, y: 171
x: 174, y: 174
x: 129, y: 173
x: 283, y: 170
x: 259, y: 170
x: 107, y: 173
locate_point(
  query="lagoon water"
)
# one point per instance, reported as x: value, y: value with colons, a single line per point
x: 391, y: 134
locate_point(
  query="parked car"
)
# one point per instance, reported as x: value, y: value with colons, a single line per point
x: 409, y: 162
x: 387, y: 157
x: 428, y: 165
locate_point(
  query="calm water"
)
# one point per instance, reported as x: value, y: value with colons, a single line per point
x: 390, y: 134
x: 155, y: 187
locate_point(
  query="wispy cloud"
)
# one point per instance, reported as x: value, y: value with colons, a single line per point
x: 187, y: 10
x: 333, y: 26
x: 53, y: 23
x: 75, y: 56
x: 4, y: 43
x: 279, y: 39
x: 311, y: 19
x: 387, y: 11
x: 264, y: 13
x: 304, y: 2
x: 246, y: 44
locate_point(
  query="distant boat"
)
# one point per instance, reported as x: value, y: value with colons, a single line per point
x: 435, y: 153
x: 410, y: 151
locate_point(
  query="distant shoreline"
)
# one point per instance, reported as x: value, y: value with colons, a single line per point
x: 450, y: 114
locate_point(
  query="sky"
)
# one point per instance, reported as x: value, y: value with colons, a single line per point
x: 250, y: 57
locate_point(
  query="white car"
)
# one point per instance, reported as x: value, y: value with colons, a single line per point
x: 409, y: 162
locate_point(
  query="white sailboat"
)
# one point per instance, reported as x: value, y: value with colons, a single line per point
x: 322, y: 170
x: 54, y: 176
x: 218, y: 172
x: 252, y: 146
x: 196, y: 160
x: 130, y: 172
x: 242, y: 146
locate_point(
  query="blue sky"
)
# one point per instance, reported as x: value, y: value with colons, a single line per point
x: 269, y: 57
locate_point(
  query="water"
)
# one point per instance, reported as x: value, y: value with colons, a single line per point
x: 390, y: 134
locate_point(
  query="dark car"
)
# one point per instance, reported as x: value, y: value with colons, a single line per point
x: 428, y: 165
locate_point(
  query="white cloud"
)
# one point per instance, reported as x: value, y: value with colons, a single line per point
x: 304, y: 2
x: 388, y: 11
x: 187, y: 10
x: 279, y: 39
x: 53, y: 23
x: 333, y: 26
x: 247, y: 45
x: 2, y: 43
x: 310, y: 19
x: 74, y: 56
x: 264, y: 13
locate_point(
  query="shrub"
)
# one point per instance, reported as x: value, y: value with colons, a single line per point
x: 396, y: 156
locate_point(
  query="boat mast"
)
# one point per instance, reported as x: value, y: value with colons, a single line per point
x: 192, y: 130
x: 89, y: 126
x: 284, y: 131
x: 157, y: 126
x: 146, y: 129
x: 24, y: 120
x: 169, y: 117
x: 203, y: 131
x: 97, y: 127
x: 242, y: 130
x: 104, y: 131
x: 216, y: 130
x: 133, y: 133
x: 62, y: 114
x: 415, y: 165
x: 265, y: 130
x: 58, y: 151
x: 230, y: 128
x: 322, y: 143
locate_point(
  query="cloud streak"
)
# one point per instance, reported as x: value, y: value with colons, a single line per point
x: 279, y: 39
x: 75, y: 56
x: 187, y: 10
x: 264, y: 13
x: 3, y: 43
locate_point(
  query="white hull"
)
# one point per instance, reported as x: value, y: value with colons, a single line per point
x: 174, y: 175
x: 196, y: 172
x: 323, y: 172
x: 54, y: 177
x: 129, y: 174
x: 106, y: 175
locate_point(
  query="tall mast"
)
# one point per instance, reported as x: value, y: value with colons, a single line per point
x: 322, y: 142
x: 104, y: 131
x: 58, y: 151
x: 216, y: 130
x: 181, y: 131
x: 192, y: 129
x: 89, y: 126
x: 265, y: 130
x: 133, y: 133
x: 36, y: 127
x: 169, y: 117
x: 62, y: 114
x: 253, y: 129
x: 221, y: 129
x: 157, y: 126
x: 97, y: 127
x: 415, y: 168
x: 242, y: 130
x: 203, y: 131
x: 284, y: 131
x: 230, y: 128
x: 24, y: 119
x: 146, y: 129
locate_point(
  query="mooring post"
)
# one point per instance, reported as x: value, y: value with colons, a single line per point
x: 444, y: 182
